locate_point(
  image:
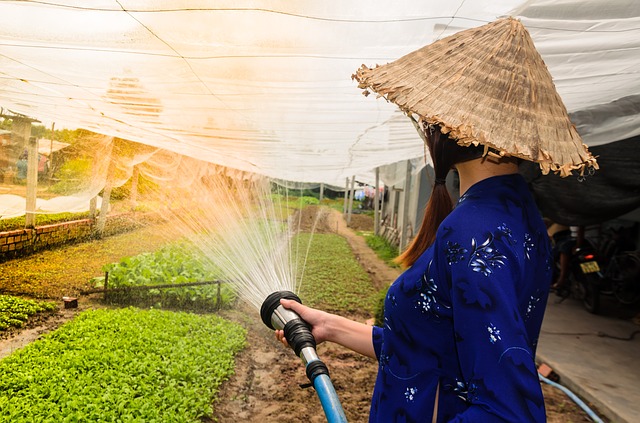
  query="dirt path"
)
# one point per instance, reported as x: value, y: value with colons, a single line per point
x: 15, y: 340
x: 381, y: 274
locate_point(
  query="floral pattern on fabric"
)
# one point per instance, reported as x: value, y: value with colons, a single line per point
x: 465, y: 391
x: 427, y: 300
x: 505, y: 232
x: 455, y: 252
x: 494, y: 333
x: 410, y: 394
x: 485, y: 257
x: 531, y: 305
x: 458, y: 319
x: 529, y: 245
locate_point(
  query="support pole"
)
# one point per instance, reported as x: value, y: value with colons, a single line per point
x: 32, y: 182
x: 133, y: 196
x: 393, y: 197
x: 352, y: 193
x: 53, y: 135
x: 321, y: 191
x: 93, y: 207
x: 106, y: 195
x: 383, y: 206
x: 405, y: 208
x: 346, y: 198
x: 376, y: 204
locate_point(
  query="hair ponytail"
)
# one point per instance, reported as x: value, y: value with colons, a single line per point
x: 445, y: 152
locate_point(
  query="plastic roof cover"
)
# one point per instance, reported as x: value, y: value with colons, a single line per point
x: 265, y: 86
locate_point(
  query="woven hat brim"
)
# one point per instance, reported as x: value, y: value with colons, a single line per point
x: 489, y: 86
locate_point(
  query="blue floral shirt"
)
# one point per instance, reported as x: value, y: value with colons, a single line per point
x: 464, y: 320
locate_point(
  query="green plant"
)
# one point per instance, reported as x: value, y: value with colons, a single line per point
x: 15, y: 311
x: 145, y: 186
x: 41, y: 220
x: 74, y: 175
x: 174, y: 264
x: 382, y: 248
x: 280, y: 200
x: 121, y: 365
x: 336, y: 204
x: 333, y: 279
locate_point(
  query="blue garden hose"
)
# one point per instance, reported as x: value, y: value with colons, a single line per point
x: 574, y: 397
x: 329, y: 399
x: 299, y: 337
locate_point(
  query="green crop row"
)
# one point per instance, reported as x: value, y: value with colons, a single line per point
x: 280, y: 200
x: 126, y: 365
x: 176, y: 264
x: 382, y: 248
x: 333, y: 279
x: 16, y: 311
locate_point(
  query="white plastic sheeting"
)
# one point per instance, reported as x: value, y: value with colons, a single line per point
x: 265, y: 86
x: 13, y: 205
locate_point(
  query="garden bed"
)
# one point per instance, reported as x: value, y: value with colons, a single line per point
x: 121, y: 365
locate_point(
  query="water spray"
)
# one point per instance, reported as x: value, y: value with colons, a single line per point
x: 300, y: 339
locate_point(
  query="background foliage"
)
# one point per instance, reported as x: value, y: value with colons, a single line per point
x: 15, y: 311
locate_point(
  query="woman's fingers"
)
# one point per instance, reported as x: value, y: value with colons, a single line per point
x: 292, y: 305
x: 280, y: 337
x: 307, y: 314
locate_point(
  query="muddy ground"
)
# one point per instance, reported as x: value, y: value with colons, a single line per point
x: 265, y: 387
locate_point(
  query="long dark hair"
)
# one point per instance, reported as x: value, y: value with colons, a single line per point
x: 445, y: 152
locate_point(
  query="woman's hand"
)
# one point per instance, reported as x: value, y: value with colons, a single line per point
x: 330, y: 327
x: 315, y: 318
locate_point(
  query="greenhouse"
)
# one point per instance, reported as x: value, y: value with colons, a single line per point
x: 229, y: 146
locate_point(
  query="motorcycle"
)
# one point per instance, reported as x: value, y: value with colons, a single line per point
x: 605, y: 271
x: 585, y: 277
x: 621, y: 277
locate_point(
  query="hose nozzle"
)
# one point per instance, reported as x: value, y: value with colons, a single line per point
x: 296, y: 330
x: 299, y: 337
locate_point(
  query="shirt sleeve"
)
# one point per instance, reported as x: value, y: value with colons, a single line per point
x: 377, y: 336
x: 499, y: 379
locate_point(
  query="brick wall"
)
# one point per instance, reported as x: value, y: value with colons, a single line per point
x: 22, y: 242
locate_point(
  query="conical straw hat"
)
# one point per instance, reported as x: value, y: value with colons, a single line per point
x: 488, y: 86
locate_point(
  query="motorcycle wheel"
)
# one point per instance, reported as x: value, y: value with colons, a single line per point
x: 591, y: 298
x: 585, y: 289
x: 625, y: 283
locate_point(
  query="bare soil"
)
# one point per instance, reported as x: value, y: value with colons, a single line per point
x: 266, y: 384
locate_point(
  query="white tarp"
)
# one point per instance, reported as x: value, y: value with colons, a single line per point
x: 12, y: 205
x: 265, y: 86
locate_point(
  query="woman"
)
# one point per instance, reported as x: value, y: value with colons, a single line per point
x: 462, y: 322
